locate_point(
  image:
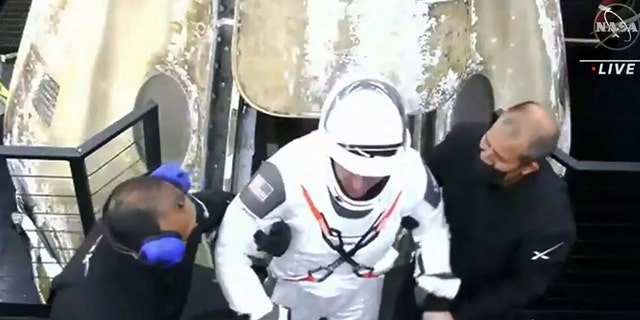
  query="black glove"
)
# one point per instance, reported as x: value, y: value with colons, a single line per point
x: 276, y: 242
x: 409, y: 223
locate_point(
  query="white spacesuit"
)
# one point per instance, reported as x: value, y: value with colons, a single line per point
x: 340, y: 246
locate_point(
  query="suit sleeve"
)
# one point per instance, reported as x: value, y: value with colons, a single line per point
x: 436, y: 286
x: 538, y: 261
x: 257, y: 207
x: 442, y: 153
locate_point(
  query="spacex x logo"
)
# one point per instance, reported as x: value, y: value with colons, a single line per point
x: 544, y: 254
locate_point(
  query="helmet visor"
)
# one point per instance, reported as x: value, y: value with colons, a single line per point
x: 379, y: 161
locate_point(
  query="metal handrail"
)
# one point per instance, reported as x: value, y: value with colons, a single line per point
x: 570, y: 162
x: 582, y: 41
x: 149, y: 116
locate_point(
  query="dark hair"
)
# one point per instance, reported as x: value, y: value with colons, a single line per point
x: 131, y: 210
x: 542, y: 146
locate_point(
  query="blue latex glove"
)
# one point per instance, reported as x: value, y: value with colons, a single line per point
x: 175, y: 175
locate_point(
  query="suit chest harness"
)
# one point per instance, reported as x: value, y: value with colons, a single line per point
x: 346, y: 256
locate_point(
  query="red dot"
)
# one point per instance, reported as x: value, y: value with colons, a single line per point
x: 593, y: 68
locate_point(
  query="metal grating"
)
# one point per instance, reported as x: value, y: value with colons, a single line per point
x: 13, y: 16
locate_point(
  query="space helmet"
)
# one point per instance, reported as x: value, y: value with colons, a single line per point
x: 364, y: 124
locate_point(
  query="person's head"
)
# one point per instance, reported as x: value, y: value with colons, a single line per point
x: 364, y: 124
x: 519, y: 139
x: 144, y: 207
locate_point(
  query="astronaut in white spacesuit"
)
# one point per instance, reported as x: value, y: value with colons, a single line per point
x: 343, y: 190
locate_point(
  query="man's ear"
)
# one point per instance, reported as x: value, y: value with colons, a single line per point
x: 529, y: 168
x: 180, y: 198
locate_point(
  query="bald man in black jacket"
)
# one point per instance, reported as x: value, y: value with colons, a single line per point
x: 509, y: 213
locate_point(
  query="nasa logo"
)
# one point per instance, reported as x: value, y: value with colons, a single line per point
x: 616, y: 26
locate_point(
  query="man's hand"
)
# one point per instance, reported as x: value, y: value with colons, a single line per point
x: 276, y: 242
x: 437, y: 316
x: 175, y: 175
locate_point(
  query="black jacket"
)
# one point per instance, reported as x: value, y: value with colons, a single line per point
x: 507, y: 244
x: 101, y: 284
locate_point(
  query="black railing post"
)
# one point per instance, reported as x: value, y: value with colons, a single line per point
x: 82, y: 188
x: 151, y: 137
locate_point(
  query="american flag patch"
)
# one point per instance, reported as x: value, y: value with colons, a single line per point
x: 260, y: 188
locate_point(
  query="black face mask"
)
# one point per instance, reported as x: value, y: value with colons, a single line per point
x: 488, y: 174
